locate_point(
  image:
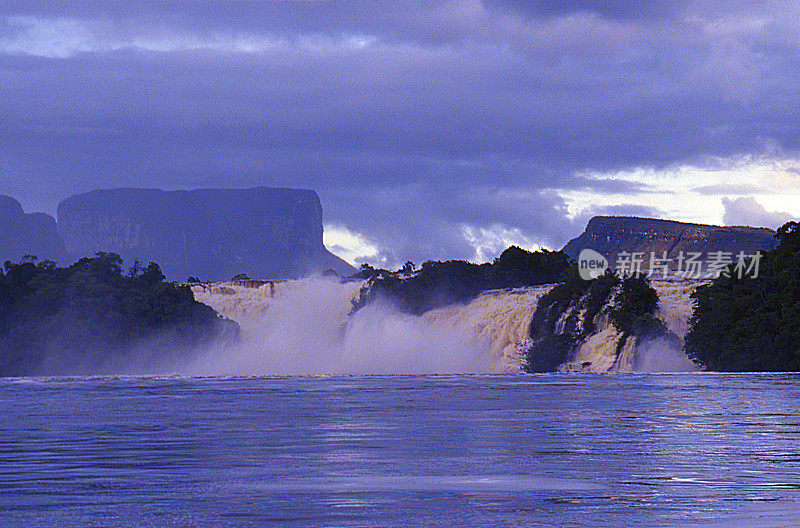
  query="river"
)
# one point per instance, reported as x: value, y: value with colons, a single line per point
x: 690, y: 449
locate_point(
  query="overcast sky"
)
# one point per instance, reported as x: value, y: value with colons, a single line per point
x: 430, y: 129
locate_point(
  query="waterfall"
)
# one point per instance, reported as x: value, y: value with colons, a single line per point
x: 675, y: 306
x: 499, y: 320
x: 675, y: 310
x: 306, y: 327
x: 609, y: 350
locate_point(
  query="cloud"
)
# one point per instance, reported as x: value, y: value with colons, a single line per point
x: 747, y: 211
x: 631, y: 9
x: 353, y: 247
x: 431, y: 129
x: 642, y: 211
x: 421, y: 221
x: 727, y: 188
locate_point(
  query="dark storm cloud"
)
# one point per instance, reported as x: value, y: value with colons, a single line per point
x: 411, y: 119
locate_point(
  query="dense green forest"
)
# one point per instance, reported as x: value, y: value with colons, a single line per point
x: 629, y: 303
x: 93, y: 318
x: 751, y: 324
x: 456, y: 281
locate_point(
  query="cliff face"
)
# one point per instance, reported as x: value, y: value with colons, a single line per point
x: 611, y: 235
x: 27, y: 234
x: 212, y: 234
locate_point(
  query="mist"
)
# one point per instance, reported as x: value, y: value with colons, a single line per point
x: 662, y: 355
x: 306, y: 329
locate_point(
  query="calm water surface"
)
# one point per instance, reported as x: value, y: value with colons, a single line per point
x: 576, y: 450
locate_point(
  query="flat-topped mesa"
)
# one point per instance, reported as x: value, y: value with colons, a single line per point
x: 27, y: 234
x: 612, y: 235
x: 211, y: 234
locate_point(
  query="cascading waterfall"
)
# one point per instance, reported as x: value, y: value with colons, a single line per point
x: 675, y: 310
x: 252, y: 304
x: 306, y: 327
x: 675, y: 306
x: 499, y: 320
x: 607, y: 349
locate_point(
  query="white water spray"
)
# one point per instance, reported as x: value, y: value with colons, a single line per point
x: 304, y: 327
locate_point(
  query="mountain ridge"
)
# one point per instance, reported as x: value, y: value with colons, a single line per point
x: 211, y: 234
x: 609, y: 235
x: 24, y: 234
